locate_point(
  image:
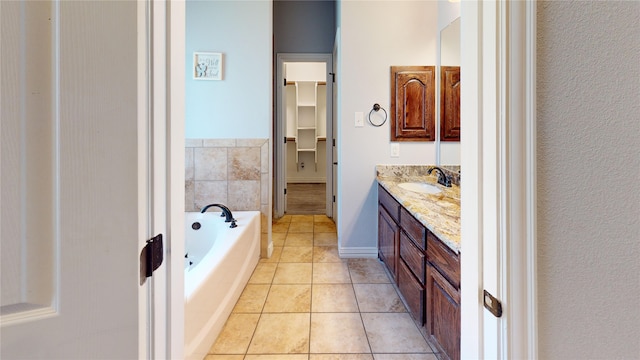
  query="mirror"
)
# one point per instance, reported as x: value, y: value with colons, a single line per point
x: 449, y: 94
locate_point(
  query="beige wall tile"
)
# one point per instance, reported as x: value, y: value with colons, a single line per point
x: 264, y: 158
x: 189, y: 196
x: 244, y: 195
x: 243, y: 163
x: 193, y: 142
x: 208, y: 192
x: 219, y: 143
x: 188, y: 164
x: 210, y: 163
x: 250, y: 142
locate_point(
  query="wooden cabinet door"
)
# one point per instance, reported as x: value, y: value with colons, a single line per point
x: 413, y: 103
x: 388, y: 234
x: 450, y: 103
x: 443, y: 314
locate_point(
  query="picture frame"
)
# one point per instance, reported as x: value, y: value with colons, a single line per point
x: 207, y: 66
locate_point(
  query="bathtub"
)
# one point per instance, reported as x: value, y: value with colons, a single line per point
x: 218, y: 263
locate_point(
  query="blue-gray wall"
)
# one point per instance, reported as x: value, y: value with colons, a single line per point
x: 304, y: 26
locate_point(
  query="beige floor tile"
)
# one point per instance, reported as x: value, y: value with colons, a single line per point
x: 333, y: 298
x: 326, y: 254
x: 280, y: 227
x: 325, y: 239
x: 263, y: 273
x: 340, y: 357
x: 301, y: 227
x: 293, y: 273
x: 404, y: 357
x: 299, y: 239
x: 393, y: 333
x: 338, y: 333
x: 277, y: 357
x: 288, y: 298
x: 252, y: 298
x: 283, y: 219
x: 322, y: 218
x: 278, y: 238
x: 324, y: 227
x: 224, y: 357
x: 281, y: 334
x: 378, y: 298
x: 297, y: 254
x: 301, y: 218
x: 368, y: 271
x: 275, y: 256
x: 331, y: 273
x: 236, y: 334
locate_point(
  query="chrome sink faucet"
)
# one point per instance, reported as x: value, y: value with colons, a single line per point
x: 225, y: 212
x: 443, y: 179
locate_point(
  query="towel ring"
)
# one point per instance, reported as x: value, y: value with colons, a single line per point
x: 376, y: 108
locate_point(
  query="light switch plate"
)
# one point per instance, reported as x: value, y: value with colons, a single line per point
x: 359, y: 118
x: 395, y: 149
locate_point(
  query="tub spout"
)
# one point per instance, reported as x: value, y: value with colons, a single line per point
x: 225, y: 212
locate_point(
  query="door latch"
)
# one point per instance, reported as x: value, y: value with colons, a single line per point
x: 492, y: 304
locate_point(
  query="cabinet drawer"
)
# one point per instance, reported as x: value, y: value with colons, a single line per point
x: 412, y: 292
x: 413, y: 228
x: 413, y: 256
x: 445, y: 260
x: 389, y: 203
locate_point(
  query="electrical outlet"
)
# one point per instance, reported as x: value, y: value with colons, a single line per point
x: 359, y: 118
x: 395, y: 149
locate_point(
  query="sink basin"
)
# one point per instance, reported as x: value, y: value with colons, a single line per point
x: 420, y: 187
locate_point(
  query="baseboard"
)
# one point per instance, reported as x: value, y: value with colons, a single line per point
x: 358, y: 252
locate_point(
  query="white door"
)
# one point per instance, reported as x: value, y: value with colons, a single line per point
x: 72, y: 207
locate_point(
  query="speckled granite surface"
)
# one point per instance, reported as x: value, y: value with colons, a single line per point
x: 440, y: 213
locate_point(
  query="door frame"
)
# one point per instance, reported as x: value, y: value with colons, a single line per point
x: 161, y: 92
x: 279, y: 204
x: 498, y: 161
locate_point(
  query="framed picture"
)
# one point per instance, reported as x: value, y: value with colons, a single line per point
x: 207, y: 66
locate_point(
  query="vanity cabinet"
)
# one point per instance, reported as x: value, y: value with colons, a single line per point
x: 388, y: 231
x: 426, y: 273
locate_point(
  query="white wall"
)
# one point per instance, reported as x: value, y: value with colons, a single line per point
x: 374, y: 36
x: 240, y: 105
x: 588, y: 93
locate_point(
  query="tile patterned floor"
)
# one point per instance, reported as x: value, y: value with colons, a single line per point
x: 305, y: 303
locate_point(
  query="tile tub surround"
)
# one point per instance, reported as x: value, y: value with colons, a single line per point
x: 234, y: 172
x: 440, y: 213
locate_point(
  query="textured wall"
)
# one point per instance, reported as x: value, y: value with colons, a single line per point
x: 588, y: 85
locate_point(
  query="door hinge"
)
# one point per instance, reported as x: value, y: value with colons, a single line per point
x: 285, y: 82
x: 492, y: 304
x: 151, y: 257
x: 333, y: 77
x: 285, y: 139
x: 285, y: 191
x: 334, y: 198
x: 333, y: 142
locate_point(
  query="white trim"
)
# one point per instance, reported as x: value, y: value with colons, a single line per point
x: 358, y: 252
x: 499, y: 163
x: 279, y: 205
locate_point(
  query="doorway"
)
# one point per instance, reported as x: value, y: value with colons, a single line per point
x: 304, y: 171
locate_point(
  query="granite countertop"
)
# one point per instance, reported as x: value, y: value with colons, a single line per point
x: 440, y: 213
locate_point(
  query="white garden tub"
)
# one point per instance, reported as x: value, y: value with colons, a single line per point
x: 218, y: 263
